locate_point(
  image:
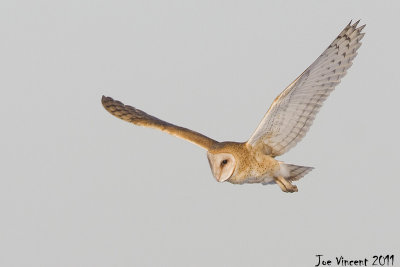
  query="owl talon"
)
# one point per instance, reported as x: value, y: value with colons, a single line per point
x: 295, y: 188
x: 285, y: 185
x: 291, y: 189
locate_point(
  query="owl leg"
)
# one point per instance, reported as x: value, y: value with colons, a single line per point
x: 285, y: 185
x: 283, y: 188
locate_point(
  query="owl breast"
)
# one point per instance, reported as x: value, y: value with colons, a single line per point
x: 255, y: 167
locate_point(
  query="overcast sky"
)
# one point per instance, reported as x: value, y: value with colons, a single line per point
x: 79, y: 187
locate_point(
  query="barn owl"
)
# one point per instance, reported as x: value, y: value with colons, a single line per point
x: 282, y: 127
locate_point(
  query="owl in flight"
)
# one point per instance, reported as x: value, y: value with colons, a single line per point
x: 283, y: 126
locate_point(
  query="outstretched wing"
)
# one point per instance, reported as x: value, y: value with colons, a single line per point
x: 293, y: 111
x: 141, y: 118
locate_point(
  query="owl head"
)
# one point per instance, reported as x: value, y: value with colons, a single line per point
x: 222, y: 165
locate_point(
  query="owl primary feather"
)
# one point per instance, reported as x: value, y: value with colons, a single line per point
x: 283, y: 126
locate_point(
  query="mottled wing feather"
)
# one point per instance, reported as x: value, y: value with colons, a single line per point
x: 141, y: 118
x: 293, y: 111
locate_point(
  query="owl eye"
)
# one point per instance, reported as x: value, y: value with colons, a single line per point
x: 225, y: 161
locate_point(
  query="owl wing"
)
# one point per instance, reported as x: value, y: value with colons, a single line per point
x: 141, y: 118
x: 293, y: 111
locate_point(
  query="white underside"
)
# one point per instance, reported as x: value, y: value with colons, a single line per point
x: 283, y: 171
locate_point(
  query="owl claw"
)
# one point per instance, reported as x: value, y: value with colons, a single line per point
x: 285, y: 185
x: 295, y: 189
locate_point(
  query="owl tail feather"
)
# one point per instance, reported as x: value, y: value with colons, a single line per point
x: 297, y: 172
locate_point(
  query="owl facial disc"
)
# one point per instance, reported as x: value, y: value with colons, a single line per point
x: 222, y: 165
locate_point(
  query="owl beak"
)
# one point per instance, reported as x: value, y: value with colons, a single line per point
x: 222, y: 180
x: 214, y: 170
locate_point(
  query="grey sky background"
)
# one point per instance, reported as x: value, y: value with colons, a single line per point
x: 79, y: 187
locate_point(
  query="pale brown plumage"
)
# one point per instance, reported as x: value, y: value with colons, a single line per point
x: 283, y: 126
x: 141, y: 118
